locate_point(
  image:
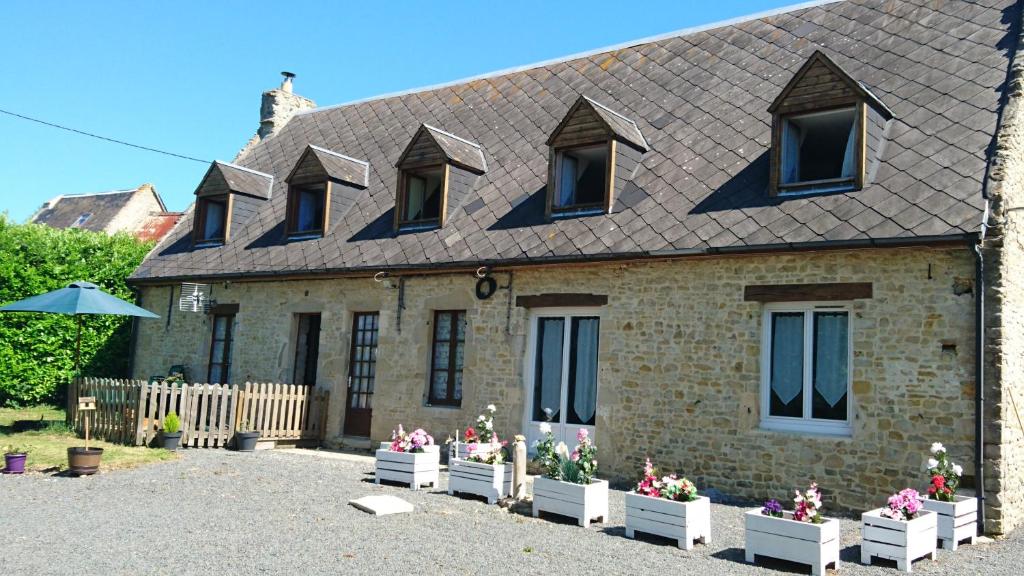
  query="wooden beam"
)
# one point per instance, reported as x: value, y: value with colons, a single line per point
x: 561, y: 300
x: 224, y: 309
x: 807, y: 292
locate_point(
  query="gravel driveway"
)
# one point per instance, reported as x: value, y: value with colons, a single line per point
x: 287, y: 512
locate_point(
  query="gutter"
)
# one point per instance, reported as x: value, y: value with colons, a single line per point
x: 979, y: 371
x: 506, y: 264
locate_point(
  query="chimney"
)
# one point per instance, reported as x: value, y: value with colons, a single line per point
x: 279, y: 105
x: 276, y: 109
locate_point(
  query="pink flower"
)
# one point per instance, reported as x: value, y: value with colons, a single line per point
x: 582, y: 435
x: 575, y: 456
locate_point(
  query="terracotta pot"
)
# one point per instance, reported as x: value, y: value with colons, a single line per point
x: 84, y: 461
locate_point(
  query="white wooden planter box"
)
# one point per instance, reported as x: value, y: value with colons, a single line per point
x: 584, y: 502
x: 682, y: 521
x: 902, y: 541
x: 787, y: 539
x: 412, y: 468
x: 462, y: 450
x: 492, y: 481
x: 957, y: 520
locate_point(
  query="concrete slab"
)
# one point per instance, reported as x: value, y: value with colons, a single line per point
x: 381, y: 505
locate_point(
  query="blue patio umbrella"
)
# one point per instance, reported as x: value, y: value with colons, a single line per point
x: 79, y: 298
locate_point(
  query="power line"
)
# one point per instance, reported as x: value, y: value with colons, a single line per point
x: 91, y: 135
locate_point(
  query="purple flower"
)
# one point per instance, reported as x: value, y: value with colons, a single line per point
x: 772, y: 508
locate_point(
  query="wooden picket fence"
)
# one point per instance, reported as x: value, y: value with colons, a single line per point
x: 132, y: 411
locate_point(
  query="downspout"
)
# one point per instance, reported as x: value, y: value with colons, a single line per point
x: 979, y: 371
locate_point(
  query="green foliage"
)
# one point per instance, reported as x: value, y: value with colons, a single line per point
x: 37, y: 351
x: 171, y: 423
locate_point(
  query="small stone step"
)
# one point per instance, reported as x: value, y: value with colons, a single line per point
x: 382, y: 505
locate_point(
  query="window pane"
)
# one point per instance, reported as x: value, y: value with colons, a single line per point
x: 441, y: 355
x: 458, y: 385
x: 582, y: 178
x: 213, y: 220
x: 443, y: 329
x: 583, y: 371
x: 220, y: 327
x: 831, y: 365
x: 460, y: 326
x: 423, y: 191
x: 547, y: 387
x: 787, y: 368
x: 216, y: 374
x: 311, y: 209
x: 439, y: 385
x: 414, y: 197
x: 819, y: 146
x: 459, y: 353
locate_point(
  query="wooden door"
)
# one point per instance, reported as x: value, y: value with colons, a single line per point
x: 362, y: 370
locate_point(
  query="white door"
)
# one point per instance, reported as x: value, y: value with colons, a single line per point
x: 561, y: 374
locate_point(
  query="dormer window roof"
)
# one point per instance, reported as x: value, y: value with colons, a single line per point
x: 824, y: 124
x: 321, y: 181
x: 224, y: 186
x: 436, y: 172
x: 593, y: 152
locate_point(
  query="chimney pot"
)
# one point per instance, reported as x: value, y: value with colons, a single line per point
x: 286, y: 84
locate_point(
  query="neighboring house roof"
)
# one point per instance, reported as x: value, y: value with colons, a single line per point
x: 700, y: 100
x: 157, y: 225
x: 86, y: 211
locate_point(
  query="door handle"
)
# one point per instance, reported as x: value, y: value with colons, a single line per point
x: 349, y: 382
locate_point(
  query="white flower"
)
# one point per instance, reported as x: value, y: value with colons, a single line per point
x: 545, y: 428
x: 932, y: 463
x: 489, y: 425
x: 562, y: 450
x: 958, y: 470
x: 491, y: 408
x: 481, y: 418
x: 937, y: 447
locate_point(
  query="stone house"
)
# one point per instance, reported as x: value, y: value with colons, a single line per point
x: 777, y: 249
x: 139, y: 211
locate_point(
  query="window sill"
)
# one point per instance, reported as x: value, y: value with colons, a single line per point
x: 817, y: 187
x: 812, y: 429
x: 443, y: 406
x: 209, y: 243
x: 573, y: 213
x: 418, y: 226
x: 304, y: 236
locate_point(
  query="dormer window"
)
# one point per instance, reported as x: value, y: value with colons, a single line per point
x: 225, y: 199
x: 211, y: 219
x: 827, y: 131
x: 306, y: 209
x: 421, y: 194
x: 594, y: 152
x: 819, y: 149
x: 582, y: 181
x: 436, y: 173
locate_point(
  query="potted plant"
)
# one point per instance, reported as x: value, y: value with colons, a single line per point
x: 568, y: 486
x: 480, y: 465
x: 14, y: 459
x: 82, y: 460
x: 957, y: 515
x: 245, y: 439
x: 803, y: 535
x: 171, y: 434
x: 410, y: 458
x: 901, y: 531
x: 668, y: 506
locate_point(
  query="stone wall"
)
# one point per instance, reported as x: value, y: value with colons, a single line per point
x: 1004, y: 318
x: 136, y: 212
x: 679, y: 374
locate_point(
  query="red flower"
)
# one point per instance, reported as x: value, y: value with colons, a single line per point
x: 939, y: 481
x: 470, y: 434
x: 931, y: 489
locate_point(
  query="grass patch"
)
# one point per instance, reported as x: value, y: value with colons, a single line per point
x: 48, y: 442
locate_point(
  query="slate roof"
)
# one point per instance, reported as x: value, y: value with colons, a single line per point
x: 457, y: 149
x: 64, y: 211
x: 700, y: 98
x: 341, y: 167
x: 245, y: 180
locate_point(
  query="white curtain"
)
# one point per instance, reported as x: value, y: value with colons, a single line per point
x: 584, y: 401
x: 567, y: 182
x: 792, y: 138
x: 414, y: 199
x: 787, y: 372
x: 831, y: 355
x: 214, y: 220
x: 548, y: 387
x: 850, y: 157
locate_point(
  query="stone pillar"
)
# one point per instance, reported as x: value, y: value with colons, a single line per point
x: 276, y: 108
x: 519, y: 468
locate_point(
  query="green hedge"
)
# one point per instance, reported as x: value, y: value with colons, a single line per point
x: 37, y: 351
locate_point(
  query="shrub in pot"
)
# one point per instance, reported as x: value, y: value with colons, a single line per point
x: 14, y: 459
x: 245, y: 439
x: 171, y: 434
x: 568, y: 486
x: 957, y: 515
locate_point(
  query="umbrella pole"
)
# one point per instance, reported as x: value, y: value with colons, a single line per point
x: 78, y: 347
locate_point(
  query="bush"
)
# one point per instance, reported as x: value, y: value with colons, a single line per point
x: 37, y: 351
x: 171, y: 423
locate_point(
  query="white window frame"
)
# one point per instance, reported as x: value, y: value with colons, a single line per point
x: 805, y: 424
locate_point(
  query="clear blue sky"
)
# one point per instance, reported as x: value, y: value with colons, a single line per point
x: 186, y: 76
